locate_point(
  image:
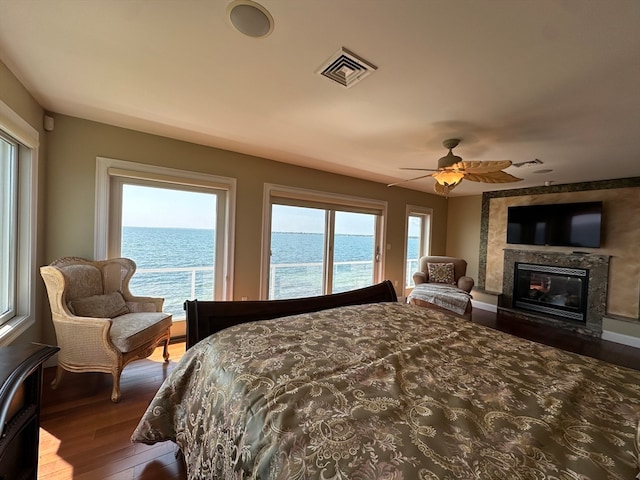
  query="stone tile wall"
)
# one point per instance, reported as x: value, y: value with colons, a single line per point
x: 598, y: 266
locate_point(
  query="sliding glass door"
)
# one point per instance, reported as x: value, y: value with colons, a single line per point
x: 297, y: 264
x: 354, y: 251
x: 316, y: 251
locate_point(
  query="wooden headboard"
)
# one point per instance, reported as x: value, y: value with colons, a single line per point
x: 207, y: 317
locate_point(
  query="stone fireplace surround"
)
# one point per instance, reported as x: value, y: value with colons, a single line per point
x: 598, y: 267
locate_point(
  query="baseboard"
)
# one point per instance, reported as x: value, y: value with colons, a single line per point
x: 484, y: 306
x: 621, y: 338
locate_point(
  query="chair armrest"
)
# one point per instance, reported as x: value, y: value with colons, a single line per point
x: 419, y: 277
x: 83, y: 325
x: 157, y: 302
x: 465, y: 283
x: 77, y: 335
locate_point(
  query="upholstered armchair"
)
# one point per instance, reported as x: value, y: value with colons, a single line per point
x: 441, y: 283
x: 459, y: 278
x: 100, y: 326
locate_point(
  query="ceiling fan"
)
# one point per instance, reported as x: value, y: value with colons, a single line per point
x: 452, y: 169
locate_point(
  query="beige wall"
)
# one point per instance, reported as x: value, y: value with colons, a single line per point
x: 75, y: 144
x: 66, y: 192
x: 13, y: 94
x: 621, y: 238
x: 463, y: 230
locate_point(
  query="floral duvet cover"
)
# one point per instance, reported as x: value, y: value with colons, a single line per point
x: 391, y: 391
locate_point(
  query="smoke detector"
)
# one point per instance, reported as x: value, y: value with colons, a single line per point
x: 346, y: 68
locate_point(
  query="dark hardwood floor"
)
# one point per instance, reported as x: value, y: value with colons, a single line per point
x: 85, y: 436
x: 611, y: 352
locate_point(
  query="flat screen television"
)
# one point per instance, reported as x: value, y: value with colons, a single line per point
x: 558, y: 224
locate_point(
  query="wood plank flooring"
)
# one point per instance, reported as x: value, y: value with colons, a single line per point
x: 611, y: 352
x: 85, y: 436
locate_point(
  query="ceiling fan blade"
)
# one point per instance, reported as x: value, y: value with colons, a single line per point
x: 408, y: 180
x: 419, y: 169
x: 491, y: 177
x: 482, y: 167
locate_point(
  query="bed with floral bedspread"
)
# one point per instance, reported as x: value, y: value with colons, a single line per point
x: 392, y: 391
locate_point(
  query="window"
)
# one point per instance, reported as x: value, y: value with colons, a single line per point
x: 418, y: 240
x: 18, y: 270
x: 175, y: 225
x: 317, y: 243
x: 8, y: 225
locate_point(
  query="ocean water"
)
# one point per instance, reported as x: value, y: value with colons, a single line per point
x: 177, y: 263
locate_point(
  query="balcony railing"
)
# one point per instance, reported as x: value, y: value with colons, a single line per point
x: 412, y: 267
x: 175, y: 285
x: 286, y: 280
x: 295, y: 280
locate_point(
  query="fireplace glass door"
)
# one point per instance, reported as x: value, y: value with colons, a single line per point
x: 551, y: 290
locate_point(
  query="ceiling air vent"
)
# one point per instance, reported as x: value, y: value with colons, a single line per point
x: 346, y: 68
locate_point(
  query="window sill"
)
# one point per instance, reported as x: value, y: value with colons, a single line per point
x: 15, y: 327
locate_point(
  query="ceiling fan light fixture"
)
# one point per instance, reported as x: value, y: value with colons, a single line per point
x: 448, y: 178
x: 448, y: 160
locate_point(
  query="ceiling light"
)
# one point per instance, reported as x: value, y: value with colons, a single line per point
x: 448, y: 178
x: 250, y: 18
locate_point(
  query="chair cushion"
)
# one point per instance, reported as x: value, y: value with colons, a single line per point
x: 440, y: 273
x: 82, y: 281
x: 132, y: 330
x: 100, y: 306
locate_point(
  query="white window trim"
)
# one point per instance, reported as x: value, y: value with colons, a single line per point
x: 416, y: 210
x: 283, y: 191
x: 106, y: 167
x: 26, y: 267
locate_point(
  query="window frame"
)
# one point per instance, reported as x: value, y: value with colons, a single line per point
x: 109, y: 171
x: 425, y: 239
x: 9, y: 240
x: 28, y: 139
x: 286, y: 195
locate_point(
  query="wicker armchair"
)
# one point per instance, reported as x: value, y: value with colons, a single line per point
x: 99, y: 324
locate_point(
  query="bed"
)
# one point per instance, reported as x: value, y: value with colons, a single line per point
x: 393, y: 391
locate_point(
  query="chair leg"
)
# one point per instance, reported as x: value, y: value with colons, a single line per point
x: 56, y: 381
x: 115, y: 392
x: 165, y: 350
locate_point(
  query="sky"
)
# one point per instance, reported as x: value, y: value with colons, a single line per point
x: 160, y: 207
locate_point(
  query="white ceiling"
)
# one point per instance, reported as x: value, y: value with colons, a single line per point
x: 556, y: 80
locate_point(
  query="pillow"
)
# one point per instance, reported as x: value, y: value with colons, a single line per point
x: 99, y: 306
x: 440, y: 273
x: 138, y: 307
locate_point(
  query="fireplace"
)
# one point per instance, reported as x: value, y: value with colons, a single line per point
x: 551, y: 290
x: 567, y: 290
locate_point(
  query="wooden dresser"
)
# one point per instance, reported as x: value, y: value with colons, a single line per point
x: 20, y: 386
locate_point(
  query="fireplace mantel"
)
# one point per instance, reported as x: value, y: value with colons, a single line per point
x: 597, y: 265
